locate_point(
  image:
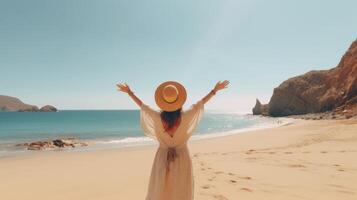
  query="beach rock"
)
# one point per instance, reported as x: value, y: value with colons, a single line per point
x: 39, y: 145
x: 48, y: 108
x: 59, y: 143
x: 260, y: 109
x: 52, y: 144
x: 319, y: 91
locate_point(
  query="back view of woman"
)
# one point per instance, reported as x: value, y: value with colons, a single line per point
x: 171, y: 175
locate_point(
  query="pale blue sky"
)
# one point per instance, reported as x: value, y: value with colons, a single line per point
x: 71, y: 53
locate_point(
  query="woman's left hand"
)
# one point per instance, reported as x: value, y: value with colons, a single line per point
x: 123, y: 87
x: 221, y: 85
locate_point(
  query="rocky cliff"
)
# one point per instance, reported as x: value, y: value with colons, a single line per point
x: 319, y: 91
x: 8, y: 103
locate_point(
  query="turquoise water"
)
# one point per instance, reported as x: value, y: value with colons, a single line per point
x: 103, y: 126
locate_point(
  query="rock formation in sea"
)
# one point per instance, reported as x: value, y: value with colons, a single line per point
x: 319, y: 91
x: 260, y: 109
x: 8, y: 103
x: 48, y: 108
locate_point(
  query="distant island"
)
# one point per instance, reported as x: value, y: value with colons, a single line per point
x: 14, y: 104
x: 329, y: 94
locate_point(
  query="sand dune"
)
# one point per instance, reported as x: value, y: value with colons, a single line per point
x: 305, y: 160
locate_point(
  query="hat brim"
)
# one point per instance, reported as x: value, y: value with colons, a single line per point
x: 169, y: 107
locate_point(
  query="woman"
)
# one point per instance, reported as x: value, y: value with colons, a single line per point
x: 171, y: 175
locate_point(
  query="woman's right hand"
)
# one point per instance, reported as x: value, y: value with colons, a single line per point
x: 123, y: 87
x: 221, y: 85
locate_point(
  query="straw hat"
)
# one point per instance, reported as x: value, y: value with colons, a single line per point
x: 170, y: 96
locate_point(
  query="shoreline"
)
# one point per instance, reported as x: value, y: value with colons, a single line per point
x: 97, y: 145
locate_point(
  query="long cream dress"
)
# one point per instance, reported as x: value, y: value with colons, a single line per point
x: 171, y: 175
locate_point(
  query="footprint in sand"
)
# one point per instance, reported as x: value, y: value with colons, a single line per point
x: 219, y: 172
x: 336, y: 165
x: 220, y: 197
x: 297, y: 166
x: 323, y: 152
x: 247, y: 189
x: 206, y: 187
x: 212, y: 178
x: 250, y: 151
x: 233, y: 181
x: 246, y: 177
x: 241, y: 177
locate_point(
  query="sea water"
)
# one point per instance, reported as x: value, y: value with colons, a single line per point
x: 108, y: 128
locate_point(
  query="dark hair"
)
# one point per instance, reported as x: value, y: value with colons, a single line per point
x: 170, y: 118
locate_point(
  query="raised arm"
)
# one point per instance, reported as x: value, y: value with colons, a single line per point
x: 123, y: 87
x: 219, y: 86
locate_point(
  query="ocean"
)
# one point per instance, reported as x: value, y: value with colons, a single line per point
x: 108, y: 128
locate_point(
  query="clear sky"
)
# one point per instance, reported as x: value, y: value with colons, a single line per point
x: 71, y: 53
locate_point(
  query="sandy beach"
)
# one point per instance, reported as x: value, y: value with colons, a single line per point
x: 302, y: 160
